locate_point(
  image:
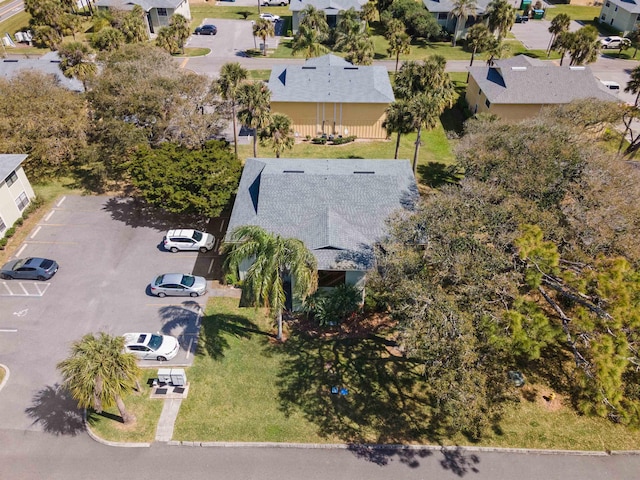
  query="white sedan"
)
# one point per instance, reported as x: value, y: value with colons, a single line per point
x: 150, y: 346
x: 269, y: 16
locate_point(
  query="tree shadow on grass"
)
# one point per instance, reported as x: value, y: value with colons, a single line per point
x: 56, y: 411
x: 377, y: 397
x: 437, y: 174
x: 212, y: 341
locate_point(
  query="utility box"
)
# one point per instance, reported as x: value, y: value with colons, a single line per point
x: 164, y: 375
x: 178, y: 377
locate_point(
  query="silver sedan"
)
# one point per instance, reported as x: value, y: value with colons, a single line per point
x: 178, y: 284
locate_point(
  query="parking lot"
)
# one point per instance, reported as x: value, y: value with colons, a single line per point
x: 108, y: 251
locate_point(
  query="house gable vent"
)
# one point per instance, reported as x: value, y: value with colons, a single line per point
x: 308, y: 68
x: 519, y: 69
x: 364, y: 172
x: 293, y: 171
x: 283, y: 77
x: 576, y: 68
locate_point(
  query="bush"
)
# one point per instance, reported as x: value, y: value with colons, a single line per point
x: 10, y: 232
x: 319, y: 140
x: 19, y: 222
x: 3, y: 243
x: 331, y: 307
x: 341, y: 140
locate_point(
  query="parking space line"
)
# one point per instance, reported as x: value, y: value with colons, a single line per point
x: 6, y: 285
x: 222, y: 224
x: 186, y: 307
x: 8, y: 330
x: 24, y: 245
x: 46, y: 219
x: 35, y: 232
x: 23, y: 289
x: 26, y: 293
x: 211, y: 265
x: 54, y: 243
x: 189, y: 349
x: 61, y: 201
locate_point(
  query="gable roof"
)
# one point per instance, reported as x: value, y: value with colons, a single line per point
x: 332, y: 6
x: 445, y: 6
x: 631, y: 6
x: 48, y: 63
x: 145, y: 4
x: 523, y: 80
x: 336, y: 207
x: 8, y: 163
x: 330, y: 79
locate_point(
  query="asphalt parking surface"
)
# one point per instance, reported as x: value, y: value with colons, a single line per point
x: 108, y: 251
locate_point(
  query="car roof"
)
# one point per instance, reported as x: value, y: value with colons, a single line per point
x: 172, y: 277
x: 136, y: 338
x: 181, y: 232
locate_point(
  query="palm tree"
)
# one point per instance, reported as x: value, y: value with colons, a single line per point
x: 274, y: 258
x: 231, y: 76
x: 478, y: 38
x: 349, y: 29
x: 308, y: 41
x: 426, y: 109
x: 399, y: 119
x: 558, y: 25
x: 496, y: 49
x: 98, y: 373
x: 263, y: 29
x: 179, y: 26
x: 563, y: 43
x: 76, y: 61
x: 502, y: 16
x: 167, y: 40
x: 462, y: 9
x: 47, y: 36
x: 361, y: 51
x: 278, y: 134
x: 585, y: 46
x: 368, y: 12
x: 399, y: 43
x: 254, y: 99
x: 315, y: 20
x: 394, y: 27
x: 134, y: 26
x: 633, y: 85
x: 108, y: 38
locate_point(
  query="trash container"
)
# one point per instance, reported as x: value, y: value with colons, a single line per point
x: 538, y: 14
x: 525, y: 6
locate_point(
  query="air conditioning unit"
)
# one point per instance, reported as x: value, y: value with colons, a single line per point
x: 164, y: 375
x: 178, y: 377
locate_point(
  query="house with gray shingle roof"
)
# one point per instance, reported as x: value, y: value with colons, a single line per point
x: 441, y: 11
x: 338, y: 208
x: 15, y: 190
x: 620, y: 14
x: 158, y: 12
x: 49, y: 64
x: 519, y: 87
x: 328, y: 95
x: 331, y: 9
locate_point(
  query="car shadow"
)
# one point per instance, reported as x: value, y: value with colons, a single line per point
x: 56, y: 411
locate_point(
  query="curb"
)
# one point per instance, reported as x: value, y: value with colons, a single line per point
x: 6, y: 376
x: 107, y: 442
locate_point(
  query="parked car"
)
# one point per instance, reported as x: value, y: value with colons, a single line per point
x: 614, y: 42
x: 522, y: 18
x: 150, y: 346
x: 269, y: 16
x: 206, y: 30
x: 274, y: 3
x: 188, y: 239
x: 33, y: 268
x: 178, y: 284
x: 613, y: 86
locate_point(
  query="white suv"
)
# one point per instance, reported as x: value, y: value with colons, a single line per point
x: 614, y: 42
x: 274, y: 3
x: 183, y: 239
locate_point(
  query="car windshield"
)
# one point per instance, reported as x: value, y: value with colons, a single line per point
x: 188, y: 280
x: 20, y: 263
x: 154, y: 342
x: 159, y: 280
x: 197, y: 236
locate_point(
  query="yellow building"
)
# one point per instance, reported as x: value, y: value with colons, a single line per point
x: 328, y: 95
x: 517, y: 88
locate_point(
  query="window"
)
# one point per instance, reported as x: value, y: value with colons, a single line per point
x: 11, y: 179
x: 479, y: 91
x: 330, y: 278
x: 603, y: 18
x: 3, y: 227
x: 611, y: 22
x: 443, y: 16
x: 162, y: 12
x: 616, y: 9
x: 607, y: 4
x: 487, y: 103
x: 22, y: 201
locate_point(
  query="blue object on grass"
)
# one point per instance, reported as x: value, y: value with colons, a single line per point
x: 343, y: 391
x: 334, y: 390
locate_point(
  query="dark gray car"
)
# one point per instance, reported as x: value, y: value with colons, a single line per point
x: 178, y: 284
x: 29, y: 268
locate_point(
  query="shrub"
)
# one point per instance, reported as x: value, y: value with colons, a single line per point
x: 19, y: 222
x: 331, y: 307
x: 3, y: 243
x: 319, y: 140
x: 341, y: 140
x: 10, y: 232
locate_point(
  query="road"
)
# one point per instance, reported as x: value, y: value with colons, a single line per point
x: 9, y: 9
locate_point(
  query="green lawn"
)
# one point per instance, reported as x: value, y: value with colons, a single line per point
x: 108, y: 424
x: 576, y: 12
x: 3, y: 372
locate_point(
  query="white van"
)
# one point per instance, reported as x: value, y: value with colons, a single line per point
x: 613, y: 86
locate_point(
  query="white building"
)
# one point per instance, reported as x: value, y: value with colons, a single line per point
x: 15, y: 190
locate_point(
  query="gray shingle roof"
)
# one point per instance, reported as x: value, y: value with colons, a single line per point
x: 445, y: 6
x: 330, y: 79
x: 8, y: 163
x: 523, y: 80
x: 48, y: 63
x: 631, y: 6
x: 338, y: 5
x: 145, y: 4
x: 336, y: 207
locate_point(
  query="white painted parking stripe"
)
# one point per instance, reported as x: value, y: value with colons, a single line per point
x: 40, y: 288
x: 23, y: 289
x: 189, y: 349
x: 20, y: 250
x: 35, y: 232
x: 8, y: 330
x: 211, y: 265
x: 46, y: 219
x: 6, y: 285
x: 61, y: 200
x: 222, y: 224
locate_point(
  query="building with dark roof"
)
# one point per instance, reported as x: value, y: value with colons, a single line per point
x: 519, y: 87
x: 15, y: 190
x: 338, y: 208
x: 328, y: 95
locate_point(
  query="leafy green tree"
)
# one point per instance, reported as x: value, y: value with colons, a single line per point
x: 231, y: 76
x: 418, y: 21
x: 462, y: 10
x: 633, y: 85
x: 255, y: 113
x: 45, y: 13
x: 55, y: 132
x: 584, y: 45
x: 263, y: 29
x: 496, y: 49
x: 76, y: 62
x: 368, y: 12
x: 186, y: 181
x: 563, y: 43
x: 361, y: 52
x: 559, y: 24
x: 314, y: 19
x: 308, y: 41
x: 98, y: 374
x: 70, y: 24
x: 168, y: 41
x: 46, y: 36
x: 398, y: 119
x: 179, y: 27
x: 399, y: 44
x: 108, y: 39
x: 278, y: 134
x: 134, y: 26
x: 274, y: 258
x: 478, y: 39
x: 502, y: 16
x: 634, y: 38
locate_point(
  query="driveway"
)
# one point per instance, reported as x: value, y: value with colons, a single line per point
x: 108, y: 250
x: 535, y: 35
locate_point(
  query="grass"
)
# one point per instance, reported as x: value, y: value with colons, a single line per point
x: 108, y: 424
x: 195, y: 52
x: 580, y: 13
x: 3, y: 373
x: 256, y: 75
